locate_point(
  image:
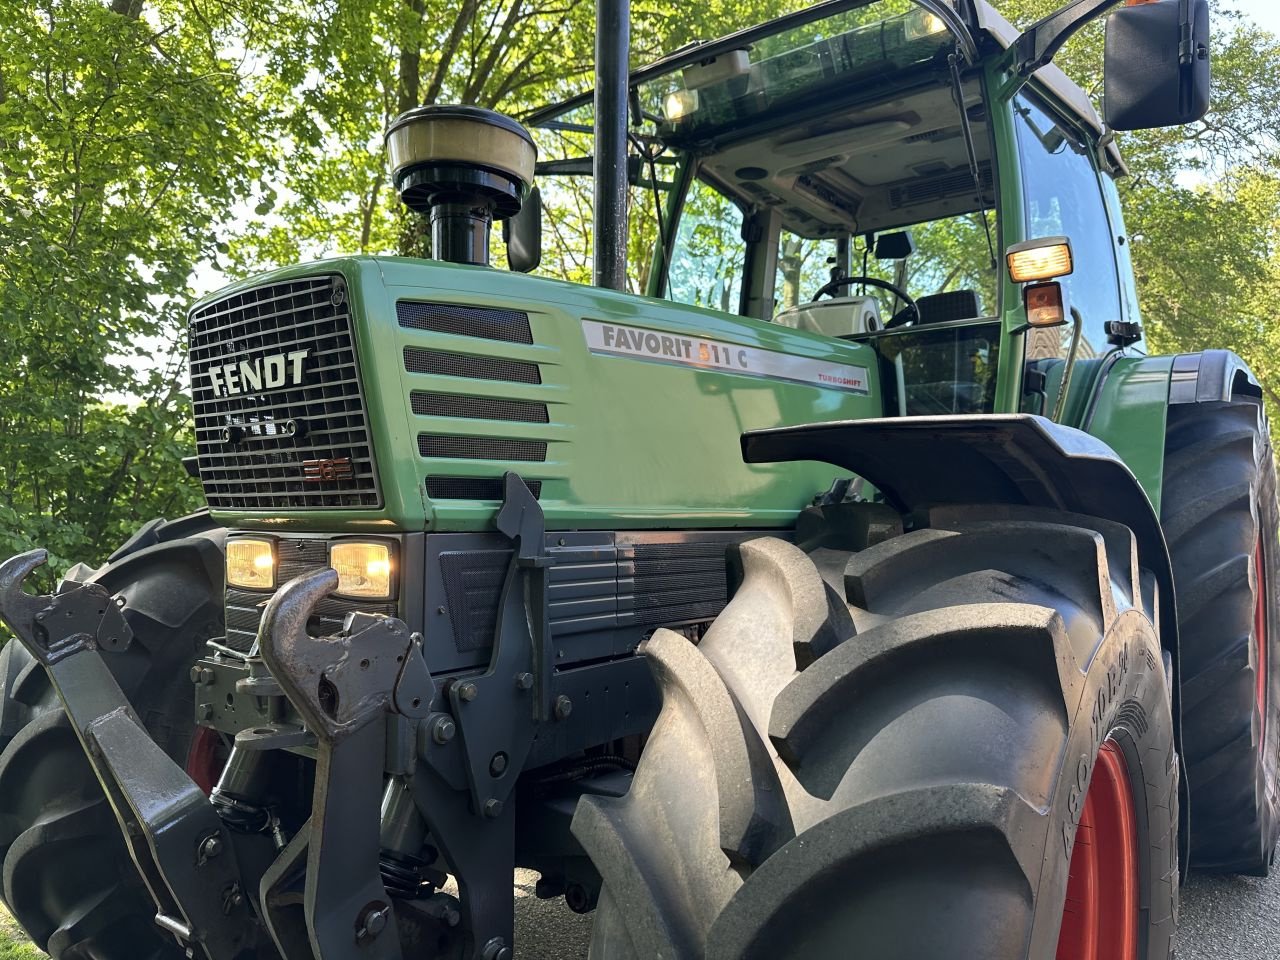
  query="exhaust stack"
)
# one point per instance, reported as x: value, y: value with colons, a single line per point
x: 463, y: 167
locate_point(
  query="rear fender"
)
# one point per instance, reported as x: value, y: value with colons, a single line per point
x: 1127, y: 404
x: 1212, y: 375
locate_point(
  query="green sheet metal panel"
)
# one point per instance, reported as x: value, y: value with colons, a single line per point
x: 644, y: 438
x: 1130, y: 417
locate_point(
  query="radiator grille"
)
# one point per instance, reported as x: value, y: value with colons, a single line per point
x: 510, y: 326
x: 442, y: 364
x: 640, y: 585
x: 473, y: 585
x: 255, y: 445
x: 439, y: 447
x: 294, y: 558
x: 477, y: 408
x: 676, y: 582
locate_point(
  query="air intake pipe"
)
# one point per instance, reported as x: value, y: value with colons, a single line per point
x: 463, y: 167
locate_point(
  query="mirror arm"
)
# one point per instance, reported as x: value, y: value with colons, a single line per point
x: 1037, y: 45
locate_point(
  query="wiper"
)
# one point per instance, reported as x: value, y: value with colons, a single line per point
x: 957, y: 92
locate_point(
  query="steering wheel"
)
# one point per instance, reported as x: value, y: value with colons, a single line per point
x: 829, y: 289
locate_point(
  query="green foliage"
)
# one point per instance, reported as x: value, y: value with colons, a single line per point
x: 13, y: 943
x: 127, y: 133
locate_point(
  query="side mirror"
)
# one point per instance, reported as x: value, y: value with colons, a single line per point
x: 523, y: 235
x: 1157, y: 64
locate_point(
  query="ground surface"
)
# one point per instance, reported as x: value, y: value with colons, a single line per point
x: 1223, y: 918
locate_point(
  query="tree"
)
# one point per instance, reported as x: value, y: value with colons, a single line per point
x: 127, y: 133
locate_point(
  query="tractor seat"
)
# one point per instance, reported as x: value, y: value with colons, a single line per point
x: 944, y: 307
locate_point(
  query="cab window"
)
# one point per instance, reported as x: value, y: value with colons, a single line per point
x: 1063, y: 196
x: 706, y: 266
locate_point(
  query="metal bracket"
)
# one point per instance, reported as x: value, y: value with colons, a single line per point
x: 178, y: 843
x: 345, y: 687
x: 495, y: 730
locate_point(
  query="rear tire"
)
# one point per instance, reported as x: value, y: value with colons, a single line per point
x: 67, y: 876
x: 1220, y: 519
x: 888, y: 751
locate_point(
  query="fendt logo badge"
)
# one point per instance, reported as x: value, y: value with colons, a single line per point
x: 260, y: 373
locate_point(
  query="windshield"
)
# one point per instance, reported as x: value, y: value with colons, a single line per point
x: 858, y: 47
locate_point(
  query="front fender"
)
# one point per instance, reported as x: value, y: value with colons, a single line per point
x: 1001, y: 459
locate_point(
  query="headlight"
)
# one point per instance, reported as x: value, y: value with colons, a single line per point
x: 251, y: 564
x: 680, y: 104
x: 364, y: 569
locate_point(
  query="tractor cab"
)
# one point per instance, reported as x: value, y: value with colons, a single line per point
x: 860, y: 170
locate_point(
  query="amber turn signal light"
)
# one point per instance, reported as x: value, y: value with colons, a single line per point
x: 1046, y: 304
x: 1036, y: 260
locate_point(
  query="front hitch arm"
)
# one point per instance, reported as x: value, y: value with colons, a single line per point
x: 345, y: 687
x: 179, y: 844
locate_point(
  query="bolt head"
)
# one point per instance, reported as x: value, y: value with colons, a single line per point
x: 496, y: 949
x: 443, y: 729
x: 211, y: 847
x: 564, y: 707
x: 524, y: 681
x: 376, y: 922
x: 205, y: 711
x: 468, y: 691
x: 498, y: 765
x: 493, y: 808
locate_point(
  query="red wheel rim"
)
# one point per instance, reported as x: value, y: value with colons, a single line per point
x: 204, y: 759
x: 1100, y: 916
x: 1260, y: 632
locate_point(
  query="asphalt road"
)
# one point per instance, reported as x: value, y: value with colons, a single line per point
x: 1223, y: 918
x: 1230, y: 918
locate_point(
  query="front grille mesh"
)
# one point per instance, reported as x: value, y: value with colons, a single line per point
x: 257, y: 447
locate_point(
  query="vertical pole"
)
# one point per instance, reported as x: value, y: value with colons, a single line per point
x: 609, y: 239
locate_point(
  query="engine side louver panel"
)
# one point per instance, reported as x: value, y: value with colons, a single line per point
x: 473, y: 488
x: 495, y: 378
x: 436, y: 447
x: 477, y: 408
x: 444, y: 364
x: 509, y: 326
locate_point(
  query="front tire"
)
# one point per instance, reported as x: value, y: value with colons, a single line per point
x: 1219, y: 514
x: 904, y: 751
x: 67, y: 876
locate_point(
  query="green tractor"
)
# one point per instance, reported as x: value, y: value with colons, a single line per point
x: 863, y: 589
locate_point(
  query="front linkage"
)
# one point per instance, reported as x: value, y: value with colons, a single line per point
x: 398, y: 759
x: 182, y: 849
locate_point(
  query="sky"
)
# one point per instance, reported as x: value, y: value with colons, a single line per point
x: 1265, y: 13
